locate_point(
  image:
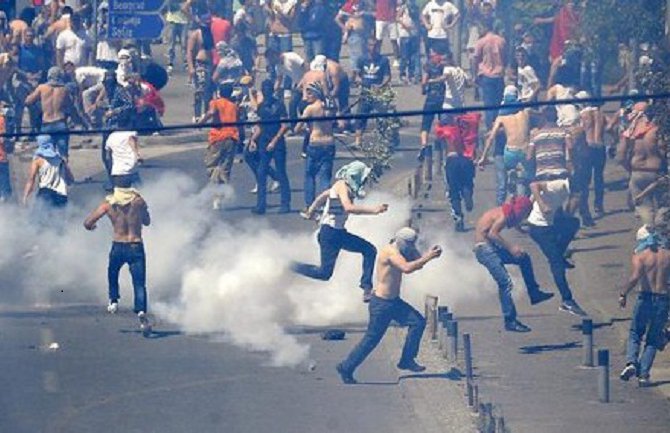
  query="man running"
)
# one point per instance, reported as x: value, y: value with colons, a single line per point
x: 333, y: 237
x: 494, y: 252
x: 650, y: 268
x: 128, y: 212
x: 399, y: 257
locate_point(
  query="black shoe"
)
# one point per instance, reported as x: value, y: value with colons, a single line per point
x: 588, y: 222
x: 628, y: 372
x: 572, y: 307
x: 346, y: 376
x: 540, y: 296
x: 411, y: 366
x: 644, y: 382
x: 516, y: 326
x: 600, y: 212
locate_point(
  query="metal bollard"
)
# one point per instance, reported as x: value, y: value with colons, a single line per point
x: 604, y: 375
x: 475, y: 397
x: 431, y: 316
x: 467, y: 354
x: 444, y: 346
x: 442, y: 310
x: 452, y: 337
x: 587, y: 342
x: 470, y: 393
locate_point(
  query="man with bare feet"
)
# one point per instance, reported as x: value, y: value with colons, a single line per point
x: 397, y: 258
x: 128, y: 212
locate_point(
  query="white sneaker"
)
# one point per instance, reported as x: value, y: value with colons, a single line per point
x: 113, y: 307
x: 145, y: 326
x: 254, y: 190
x: 274, y: 186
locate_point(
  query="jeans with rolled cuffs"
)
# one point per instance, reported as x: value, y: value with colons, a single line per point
x: 649, y: 317
x: 382, y: 312
x: 331, y: 242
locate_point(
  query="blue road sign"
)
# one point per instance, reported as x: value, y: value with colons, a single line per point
x: 134, y: 26
x: 133, y: 6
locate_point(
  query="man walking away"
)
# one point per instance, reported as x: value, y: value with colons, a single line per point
x: 128, y: 212
x: 399, y: 257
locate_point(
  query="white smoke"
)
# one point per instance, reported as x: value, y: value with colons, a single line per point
x: 208, y: 275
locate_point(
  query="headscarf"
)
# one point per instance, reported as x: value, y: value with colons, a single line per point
x: 354, y: 175
x: 405, y: 240
x: 646, y: 239
x: 319, y: 63
x: 47, y: 150
x: 510, y: 96
x: 516, y: 210
x: 55, y: 76
x: 122, y: 196
x: 316, y: 90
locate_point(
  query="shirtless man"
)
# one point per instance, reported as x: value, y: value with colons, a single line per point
x: 494, y: 252
x: 56, y: 102
x: 321, y: 149
x: 515, y: 123
x: 199, y: 49
x: 128, y: 212
x: 643, y: 156
x: 593, y: 122
x: 399, y: 257
x: 650, y: 268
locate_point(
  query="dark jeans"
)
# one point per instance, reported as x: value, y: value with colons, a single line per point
x: 58, y: 131
x: 595, y: 170
x: 5, y: 182
x: 492, y: 93
x: 131, y: 253
x: 333, y: 43
x: 331, y: 241
x: 313, y: 47
x: 318, y: 170
x: 264, y: 170
x: 410, y: 65
x: 579, y: 185
x: 459, y: 172
x: 494, y: 259
x: 382, y: 312
x: 649, y: 317
x: 553, y: 240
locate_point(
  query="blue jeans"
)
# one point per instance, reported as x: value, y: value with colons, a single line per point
x: 595, y: 170
x: 501, y: 179
x: 5, y: 182
x: 278, y: 173
x: 492, y: 93
x: 131, y: 253
x: 382, y: 312
x: 318, y: 170
x: 459, y: 172
x: 553, y: 240
x: 494, y: 259
x: 313, y: 47
x: 331, y: 242
x: 60, y: 136
x: 177, y: 32
x: 649, y: 317
x: 410, y: 54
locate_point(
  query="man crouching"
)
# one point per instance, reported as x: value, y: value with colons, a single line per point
x: 399, y: 257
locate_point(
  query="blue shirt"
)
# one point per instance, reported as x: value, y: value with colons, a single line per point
x: 31, y: 59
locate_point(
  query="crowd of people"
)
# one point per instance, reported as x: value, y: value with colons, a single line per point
x: 60, y: 64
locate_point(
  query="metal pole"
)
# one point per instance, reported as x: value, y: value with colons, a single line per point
x: 587, y: 342
x: 475, y: 396
x: 444, y: 343
x: 471, y: 395
x: 604, y: 375
x: 452, y: 334
x: 430, y: 304
x: 467, y: 354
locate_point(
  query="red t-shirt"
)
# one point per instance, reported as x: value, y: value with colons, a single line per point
x: 386, y: 10
x: 348, y: 7
x: 221, y: 31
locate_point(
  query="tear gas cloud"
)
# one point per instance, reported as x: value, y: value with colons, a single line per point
x: 207, y: 275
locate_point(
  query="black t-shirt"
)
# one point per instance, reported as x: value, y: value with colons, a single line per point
x: 373, y: 70
x: 270, y: 110
x: 434, y: 91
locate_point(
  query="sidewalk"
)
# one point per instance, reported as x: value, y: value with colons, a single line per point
x: 536, y: 378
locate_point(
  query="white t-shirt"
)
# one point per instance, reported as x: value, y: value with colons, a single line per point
x: 439, y: 17
x: 292, y: 65
x: 556, y: 194
x: 454, y: 89
x: 527, y: 78
x: 124, y: 160
x: 74, y: 46
x: 567, y: 113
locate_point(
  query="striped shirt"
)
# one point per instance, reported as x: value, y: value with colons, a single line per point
x: 550, y: 152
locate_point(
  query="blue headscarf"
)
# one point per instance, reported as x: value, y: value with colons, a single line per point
x: 47, y: 150
x: 646, y: 239
x: 510, y: 96
x: 354, y: 175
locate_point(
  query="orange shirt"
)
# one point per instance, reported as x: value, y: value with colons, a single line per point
x: 227, y: 112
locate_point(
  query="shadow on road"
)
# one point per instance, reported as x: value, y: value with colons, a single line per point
x: 534, y: 350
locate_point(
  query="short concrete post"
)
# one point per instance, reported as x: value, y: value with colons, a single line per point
x: 604, y: 375
x: 444, y: 345
x: 417, y: 184
x: 587, y: 342
x: 452, y: 337
x: 475, y: 397
x: 431, y: 316
x: 467, y: 354
x: 470, y: 393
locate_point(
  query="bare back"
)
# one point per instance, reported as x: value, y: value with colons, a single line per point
x: 517, y: 129
x: 313, y: 77
x: 321, y: 131
x: 485, y: 223
x: 388, y: 276
x: 655, y: 267
x: 647, y: 155
x: 128, y: 220
x: 55, y: 101
x: 593, y: 121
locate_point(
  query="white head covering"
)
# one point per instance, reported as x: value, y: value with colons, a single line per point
x: 319, y: 63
